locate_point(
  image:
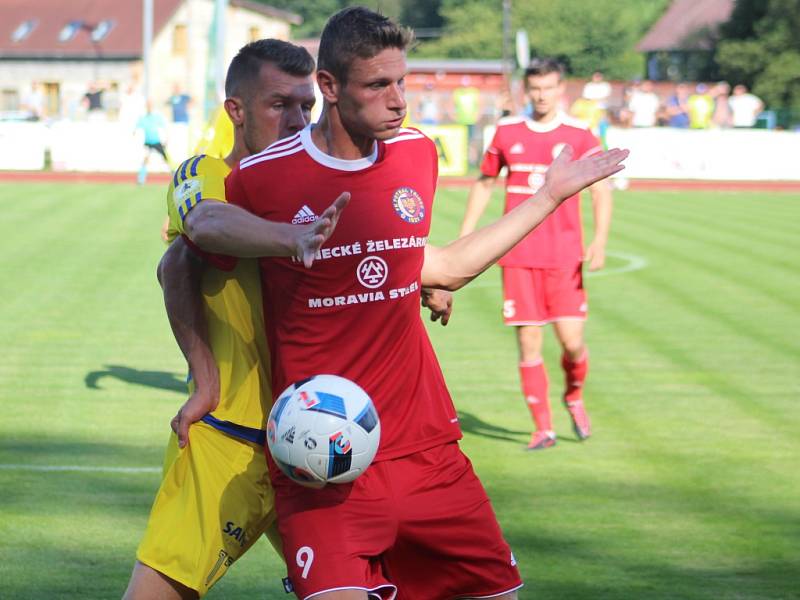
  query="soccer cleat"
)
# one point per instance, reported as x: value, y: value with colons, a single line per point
x: 580, y: 420
x: 541, y: 440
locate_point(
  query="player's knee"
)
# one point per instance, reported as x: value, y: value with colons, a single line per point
x: 530, y: 344
x: 574, y: 348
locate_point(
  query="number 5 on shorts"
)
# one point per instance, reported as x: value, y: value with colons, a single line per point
x: 304, y: 558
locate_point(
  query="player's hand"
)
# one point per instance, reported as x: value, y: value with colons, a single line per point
x: 317, y: 233
x: 440, y: 303
x: 595, y: 255
x: 567, y: 177
x: 199, y: 404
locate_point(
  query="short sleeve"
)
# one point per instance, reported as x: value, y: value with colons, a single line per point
x: 198, y: 178
x: 435, y: 161
x: 589, y: 145
x: 235, y: 191
x: 493, y: 160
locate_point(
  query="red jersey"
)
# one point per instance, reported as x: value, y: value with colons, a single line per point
x: 528, y: 148
x: 356, y: 312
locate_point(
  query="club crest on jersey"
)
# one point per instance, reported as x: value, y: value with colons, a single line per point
x: 408, y: 205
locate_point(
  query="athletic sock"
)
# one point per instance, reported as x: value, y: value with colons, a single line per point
x: 142, y: 175
x: 534, y: 388
x: 574, y: 374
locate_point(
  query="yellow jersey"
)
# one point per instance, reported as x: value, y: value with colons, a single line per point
x: 233, y: 310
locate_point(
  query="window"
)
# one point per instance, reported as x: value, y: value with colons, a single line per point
x: 9, y: 100
x: 254, y: 34
x: 24, y: 30
x: 102, y: 30
x: 180, y: 41
x: 52, y: 98
x: 69, y: 31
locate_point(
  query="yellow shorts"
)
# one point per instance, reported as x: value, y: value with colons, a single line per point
x: 214, y: 502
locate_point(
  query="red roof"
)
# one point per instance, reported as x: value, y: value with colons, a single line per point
x: 124, y: 40
x: 686, y: 25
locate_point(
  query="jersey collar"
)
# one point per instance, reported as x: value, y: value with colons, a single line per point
x: 327, y: 160
x: 539, y: 127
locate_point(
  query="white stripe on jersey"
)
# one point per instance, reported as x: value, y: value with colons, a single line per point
x: 520, y: 189
x: 276, y: 154
x: 403, y: 137
x: 524, y: 168
x: 275, y: 147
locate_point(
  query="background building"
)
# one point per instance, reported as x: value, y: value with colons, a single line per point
x: 59, y: 49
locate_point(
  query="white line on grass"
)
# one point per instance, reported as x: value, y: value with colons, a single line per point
x: 78, y: 468
x: 633, y: 263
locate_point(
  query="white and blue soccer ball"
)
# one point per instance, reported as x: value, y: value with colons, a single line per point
x: 324, y: 429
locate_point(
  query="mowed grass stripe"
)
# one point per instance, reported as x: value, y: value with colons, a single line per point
x: 753, y: 218
x: 707, y: 289
x: 686, y: 490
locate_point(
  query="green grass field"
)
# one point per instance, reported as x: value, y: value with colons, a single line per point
x: 690, y: 488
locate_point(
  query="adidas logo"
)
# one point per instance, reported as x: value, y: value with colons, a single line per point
x: 517, y: 148
x: 304, y: 215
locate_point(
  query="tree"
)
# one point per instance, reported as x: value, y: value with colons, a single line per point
x: 588, y: 35
x: 315, y: 13
x: 760, y: 47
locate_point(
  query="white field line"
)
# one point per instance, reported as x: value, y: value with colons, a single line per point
x: 77, y: 469
x: 633, y: 263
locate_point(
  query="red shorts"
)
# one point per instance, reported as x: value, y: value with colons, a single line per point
x: 418, y: 527
x: 540, y: 296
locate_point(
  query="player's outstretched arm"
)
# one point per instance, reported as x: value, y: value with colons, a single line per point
x: 453, y: 266
x: 224, y: 228
x: 180, y: 274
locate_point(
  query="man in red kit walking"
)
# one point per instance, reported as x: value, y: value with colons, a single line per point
x: 543, y: 275
x: 417, y: 524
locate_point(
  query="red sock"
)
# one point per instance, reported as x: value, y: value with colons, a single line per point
x: 534, y: 388
x: 575, y: 374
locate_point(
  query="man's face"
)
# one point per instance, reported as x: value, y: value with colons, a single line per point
x: 545, y: 92
x: 277, y: 107
x: 372, y: 103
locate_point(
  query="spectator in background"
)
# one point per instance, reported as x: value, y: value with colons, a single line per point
x: 624, y: 114
x: 587, y: 111
x: 467, y: 109
x: 179, y: 102
x: 34, y: 102
x: 597, y: 89
x: 112, y: 101
x: 93, y: 102
x: 701, y: 108
x: 722, y: 117
x: 678, y: 107
x: 745, y: 107
x: 154, y: 128
x: 644, y: 104
x: 132, y: 106
x: 428, y: 112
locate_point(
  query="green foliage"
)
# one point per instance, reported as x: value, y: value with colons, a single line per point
x: 588, y: 34
x: 315, y: 13
x: 760, y: 47
x: 472, y: 30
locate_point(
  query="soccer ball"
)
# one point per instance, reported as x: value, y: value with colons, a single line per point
x: 323, y: 430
